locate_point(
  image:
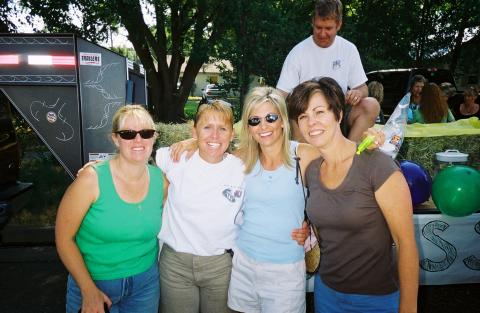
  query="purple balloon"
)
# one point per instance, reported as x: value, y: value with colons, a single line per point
x: 419, y: 181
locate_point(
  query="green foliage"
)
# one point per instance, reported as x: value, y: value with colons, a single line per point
x: 256, y: 36
x: 404, y: 33
x: 191, y: 109
x: 129, y: 53
x: 172, y: 133
x: 6, y: 24
x: 180, y: 27
x: 260, y: 37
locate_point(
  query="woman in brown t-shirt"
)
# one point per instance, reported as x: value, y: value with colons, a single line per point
x: 361, y: 204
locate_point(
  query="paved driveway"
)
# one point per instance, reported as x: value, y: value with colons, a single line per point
x: 32, y: 280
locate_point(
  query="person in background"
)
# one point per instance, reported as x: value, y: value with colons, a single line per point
x: 361, y: 205
x: 204, y: 197
x: 108, y: 221
x: 375, y: 90
x: 433, y: 107
x: 447, y: 90
x: 325, y: 53
x: 469, y: 107
x: 414, y: 95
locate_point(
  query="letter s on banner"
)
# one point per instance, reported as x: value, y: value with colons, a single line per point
x: 472, y: 262
x: 450, y: 251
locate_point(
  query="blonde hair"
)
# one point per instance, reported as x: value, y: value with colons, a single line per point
x: 220, y: 106
x: 375, y: 89
x: 249, y: 148
x: 136, y: 111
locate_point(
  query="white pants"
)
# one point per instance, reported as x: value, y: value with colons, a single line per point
x: 266, y: 287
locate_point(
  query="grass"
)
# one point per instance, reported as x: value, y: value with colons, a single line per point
x: 191, y: 108
x: 192, y: 105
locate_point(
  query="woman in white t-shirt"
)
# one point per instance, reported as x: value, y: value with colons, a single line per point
x: 198, y: 231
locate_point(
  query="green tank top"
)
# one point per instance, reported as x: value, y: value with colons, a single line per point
x: 119, y: 239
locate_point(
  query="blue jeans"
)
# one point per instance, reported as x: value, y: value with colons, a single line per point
x: 135, y: 294
x: 328, y: 300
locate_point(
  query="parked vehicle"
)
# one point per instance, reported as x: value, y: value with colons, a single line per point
x: 396, y: 84
x: 212, y: 92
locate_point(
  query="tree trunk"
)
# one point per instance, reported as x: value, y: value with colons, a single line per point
x: 457, y: 49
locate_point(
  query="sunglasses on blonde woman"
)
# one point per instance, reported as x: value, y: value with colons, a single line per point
x: 129, y: 134
x: 270, y: 118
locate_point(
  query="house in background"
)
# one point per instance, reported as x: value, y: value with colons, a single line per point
x: 208, y: 74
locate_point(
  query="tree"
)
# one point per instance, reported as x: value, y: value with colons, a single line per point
x: 403, y: 33
x: 6, y: 9
x: 182, y: 27
x: 260, y: 37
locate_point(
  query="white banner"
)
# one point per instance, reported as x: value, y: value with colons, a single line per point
x: 448, y: 247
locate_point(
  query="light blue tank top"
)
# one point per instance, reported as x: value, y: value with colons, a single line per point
x: 273, y: 207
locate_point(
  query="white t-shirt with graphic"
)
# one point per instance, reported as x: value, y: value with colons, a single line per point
x: 202, y: 203
x: 341, y: 61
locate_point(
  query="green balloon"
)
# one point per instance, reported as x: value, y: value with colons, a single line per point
x: 456, y: 190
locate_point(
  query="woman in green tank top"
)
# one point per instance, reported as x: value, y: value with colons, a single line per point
x: 108, y: 221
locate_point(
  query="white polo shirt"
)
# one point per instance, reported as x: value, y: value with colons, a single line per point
x: 202, y: 203
x: 341, y: 61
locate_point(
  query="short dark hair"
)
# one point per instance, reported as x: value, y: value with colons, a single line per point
x: 297, y: 100
x: 328, y: 9
x: 417, y: 79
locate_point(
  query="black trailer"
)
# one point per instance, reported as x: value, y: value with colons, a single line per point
x: 67, y: 89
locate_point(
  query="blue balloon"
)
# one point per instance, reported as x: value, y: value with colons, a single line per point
x: 419, y: 181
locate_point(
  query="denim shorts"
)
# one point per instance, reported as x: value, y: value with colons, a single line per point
x: 135, y: 294
x: 328, y: 300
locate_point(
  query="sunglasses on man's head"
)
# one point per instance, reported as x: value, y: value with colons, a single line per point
x: 270, y: 118
x: 129, y: 134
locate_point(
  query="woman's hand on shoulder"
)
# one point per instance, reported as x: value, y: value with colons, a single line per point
x: 378, y: 137
x: 178, y: 148
x: 87, y: 165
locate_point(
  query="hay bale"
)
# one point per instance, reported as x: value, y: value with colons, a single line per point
x: 422, y: 149
x: 171, y: 133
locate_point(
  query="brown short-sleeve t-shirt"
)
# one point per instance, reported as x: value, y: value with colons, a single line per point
x: 356, y: 245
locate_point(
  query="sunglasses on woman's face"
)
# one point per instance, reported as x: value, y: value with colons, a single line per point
x: 129, y: 134
x: 270, y: 118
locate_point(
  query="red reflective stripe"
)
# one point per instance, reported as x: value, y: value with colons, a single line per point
x: 63, y: 60
x: 9, y: 59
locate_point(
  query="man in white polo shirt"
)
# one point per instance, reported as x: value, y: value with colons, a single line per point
x: 326, y: 54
